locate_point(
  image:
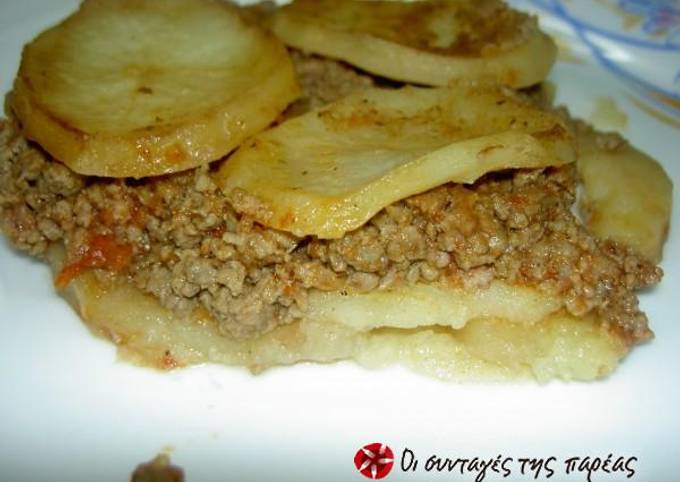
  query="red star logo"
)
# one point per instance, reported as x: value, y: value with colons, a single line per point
x: 374, y: 460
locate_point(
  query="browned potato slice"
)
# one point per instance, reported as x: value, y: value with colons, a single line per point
x: 144, y: 87
x: 627, y: 195
x: 430, y: 42
x: 328, y: 171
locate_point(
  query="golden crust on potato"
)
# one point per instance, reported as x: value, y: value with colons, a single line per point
x: 140, y: 88
x: 428, y: 43
x: 328, y: 171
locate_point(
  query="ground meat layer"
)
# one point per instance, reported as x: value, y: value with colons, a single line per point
x: 177, y: 238
x: 323, y: 81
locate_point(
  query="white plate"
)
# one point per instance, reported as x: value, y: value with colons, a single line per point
x: 69, y: 411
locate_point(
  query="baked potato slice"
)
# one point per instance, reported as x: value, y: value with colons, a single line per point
x: 428, y: 42
x: 328, y: 171
x: 140, y: 88
x: 627, y: 195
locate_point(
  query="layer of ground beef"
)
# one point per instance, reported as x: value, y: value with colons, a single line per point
x: 178, y: 239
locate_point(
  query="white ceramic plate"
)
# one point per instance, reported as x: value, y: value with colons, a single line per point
x: 70, y: 411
